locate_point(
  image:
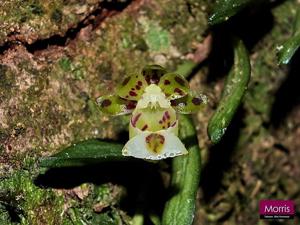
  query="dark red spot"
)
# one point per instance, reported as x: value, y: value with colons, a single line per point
x: 163, y: 127
x: 132, y: 89
x: 179, y: 91
x: 132, y: 93
x: 105, y: 103
x: 148, y: 139
x: 147, y: 78
x: 127, y: 79
x: 130, y: 105
x: 160, y: 122
x: 145, y: 127
x: 140, y: 83
x: 126, y: 96
x: 173, y: 124
x: 179, y: 80
x: 196, y: 101
x: 167, y: 82
x: 169, y: 124
x: 135, y: 119
x: 137, y: 87
x: 9, y: 147
x: 167, y: 115
x: 174, y: 103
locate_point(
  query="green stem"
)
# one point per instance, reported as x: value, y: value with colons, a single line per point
x: 180, y: 208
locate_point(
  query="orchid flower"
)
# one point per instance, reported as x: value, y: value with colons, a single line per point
x: 154, y: 98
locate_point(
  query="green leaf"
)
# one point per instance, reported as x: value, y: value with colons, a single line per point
x: 86, y: 153
x: 288, y: 49
x: 224, y: 9
x: 234, y: 89
x: 180, y: 208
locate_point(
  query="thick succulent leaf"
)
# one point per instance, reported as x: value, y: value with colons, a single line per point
x: 154, y: 146
x: 153, y: 73
x: 224, y: 9
x: 288, y: 49
x: 233, y: 92
x: 132, y: 87
x: 174, y: 86
x: 190, y: 103
x: 85, y: 153
x: 114, y: 105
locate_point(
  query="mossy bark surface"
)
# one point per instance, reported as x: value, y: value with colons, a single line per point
x: 57, y: 57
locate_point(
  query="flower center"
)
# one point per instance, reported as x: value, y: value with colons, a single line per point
x: 153, y: 97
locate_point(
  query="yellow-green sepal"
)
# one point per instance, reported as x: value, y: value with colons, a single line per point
x: 190, y: 103
x: 153, y: 73
x: 114, y: 105
x: 174, y: 85
x: 132, y: 87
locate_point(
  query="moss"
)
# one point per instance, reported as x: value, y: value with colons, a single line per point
x: 56, y: 16
x: 41, y: 19
x: 21, y: 201
x: 6, y: 83
x: 157, y: 39
x: 65, y: 64
x: 104, y: 70
x: 258, y: 96
x: 175, y: 20
x: 98, y: 206
x: 36, y: 8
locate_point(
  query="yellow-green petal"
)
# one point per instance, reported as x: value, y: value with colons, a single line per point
x: 132, y: 87
x: 153, y: 73
x: 174, y: 85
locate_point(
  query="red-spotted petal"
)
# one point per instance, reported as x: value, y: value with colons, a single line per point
x: 153, y: 119
x: 132, y: 87
x: 174, y: 86
x: 190, y: 103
